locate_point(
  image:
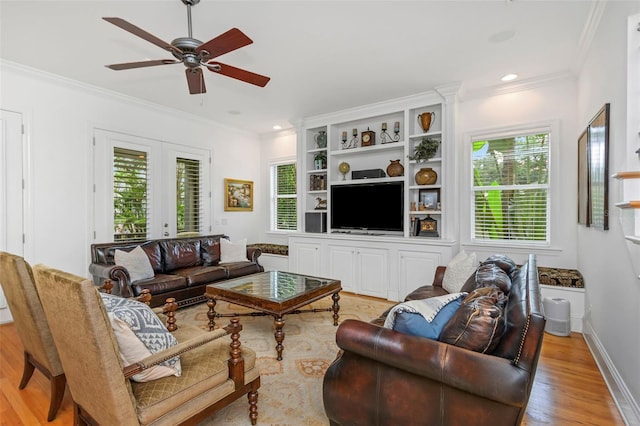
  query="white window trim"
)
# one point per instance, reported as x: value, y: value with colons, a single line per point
x: 551, y: 126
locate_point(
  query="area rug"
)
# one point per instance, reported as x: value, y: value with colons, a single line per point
x: 291, y: 390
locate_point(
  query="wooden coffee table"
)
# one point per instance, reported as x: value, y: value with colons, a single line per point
x: 273, y: 293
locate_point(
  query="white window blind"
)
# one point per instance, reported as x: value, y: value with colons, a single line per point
x: 130, y: 189
x: 284, y: 214
x: 188, y: 195
x: 511, y: 188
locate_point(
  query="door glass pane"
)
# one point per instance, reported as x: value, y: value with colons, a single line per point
x: 130, y: 179
x: 188, y: 203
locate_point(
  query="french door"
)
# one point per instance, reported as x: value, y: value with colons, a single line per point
x: 146, y: 188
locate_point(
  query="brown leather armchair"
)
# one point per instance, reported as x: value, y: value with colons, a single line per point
x: 383, y: 377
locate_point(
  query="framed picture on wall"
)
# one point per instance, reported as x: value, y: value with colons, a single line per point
x: 238, y: 195
x: 598, y: 169
x: 583, y: 179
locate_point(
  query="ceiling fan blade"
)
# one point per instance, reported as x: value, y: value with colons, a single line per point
x: 224, y: 43
x: 238, y: 73
x: 127, y: 26
x: 195, y: 80
x: 130, y: 65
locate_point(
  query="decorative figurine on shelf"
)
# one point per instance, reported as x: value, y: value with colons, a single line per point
x: 386, y: 137
x: 344, y: 168
x: 321, y: 204
x: 413, y: 206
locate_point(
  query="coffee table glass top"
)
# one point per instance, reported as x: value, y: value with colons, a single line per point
x: 274, y: 285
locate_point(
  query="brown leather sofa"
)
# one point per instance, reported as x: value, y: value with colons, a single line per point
x: 383, y: 377
x: 182, y: 267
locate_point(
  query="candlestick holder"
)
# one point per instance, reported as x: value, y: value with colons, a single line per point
x: 387, y: 138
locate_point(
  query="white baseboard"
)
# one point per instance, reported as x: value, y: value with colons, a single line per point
x: 627, y: 405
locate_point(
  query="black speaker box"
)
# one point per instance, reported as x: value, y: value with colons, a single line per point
x: 315, y: 222
x: 368, y: 174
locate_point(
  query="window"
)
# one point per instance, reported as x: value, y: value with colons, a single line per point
x: 511, y: 188
x: 284, y: 215
x: 188, y: 195
x: 129, y: 195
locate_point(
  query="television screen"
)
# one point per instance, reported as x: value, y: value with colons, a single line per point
x: 368, y: 207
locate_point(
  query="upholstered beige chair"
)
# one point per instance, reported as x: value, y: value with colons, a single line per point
x: 39, y: 350
x: 215, y: 370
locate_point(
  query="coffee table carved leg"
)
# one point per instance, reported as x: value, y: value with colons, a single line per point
x: 211, y: 313
x: 336, y: 307
x: 279, y: 335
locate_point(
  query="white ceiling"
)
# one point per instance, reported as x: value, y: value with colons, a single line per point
x: 322, y: 56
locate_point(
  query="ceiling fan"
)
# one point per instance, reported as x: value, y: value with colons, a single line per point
x: 194, y: 54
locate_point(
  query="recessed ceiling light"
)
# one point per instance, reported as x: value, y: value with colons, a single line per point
x: 509, y: 77
x: 277, y: 127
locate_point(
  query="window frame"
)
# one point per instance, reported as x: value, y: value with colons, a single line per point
x: 468, y: 203
x: 273, y: 196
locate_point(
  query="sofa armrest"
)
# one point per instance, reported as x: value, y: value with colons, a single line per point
x: 439, y: 276
x: 117, y: 274
x: 472, y: 372
x: 253, y: 253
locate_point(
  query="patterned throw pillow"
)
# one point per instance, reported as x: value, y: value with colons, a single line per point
x: 140, y: 333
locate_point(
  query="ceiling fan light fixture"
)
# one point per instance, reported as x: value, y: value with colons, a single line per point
x: 193, y: 53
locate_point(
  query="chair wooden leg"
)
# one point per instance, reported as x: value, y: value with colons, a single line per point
x: 253, y: 406
x: 27, y: 372
x: 58, y: 384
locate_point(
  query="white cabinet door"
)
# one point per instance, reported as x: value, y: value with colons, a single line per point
x: 372, y: 271
x: 342, y: 266
x: 305, y: 258
x: 415, y: 270
x: 361, y: 270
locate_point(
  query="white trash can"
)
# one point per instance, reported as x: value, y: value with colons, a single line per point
x: 558, y: 313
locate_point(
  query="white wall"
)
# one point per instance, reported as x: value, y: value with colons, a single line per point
x: 60, y: 115
x: 613, y: 291
x: 550, y: 102
x: 274, y: 147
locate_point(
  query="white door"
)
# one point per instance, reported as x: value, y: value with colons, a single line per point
x: 164, y: 202
x: 11, y: 192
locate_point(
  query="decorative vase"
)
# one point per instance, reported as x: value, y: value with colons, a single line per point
x: 321, y: 139
x: 426, y: 176
x: 395, y: 168
x: 425, y: 119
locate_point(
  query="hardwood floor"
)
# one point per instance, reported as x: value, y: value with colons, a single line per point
x: 568, y: 387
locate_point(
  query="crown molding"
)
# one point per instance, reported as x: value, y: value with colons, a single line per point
x: 78, y: 85
x: 530, y: 84
x: 588, y: 32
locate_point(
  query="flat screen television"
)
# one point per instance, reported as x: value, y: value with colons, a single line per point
x: 368, y: 207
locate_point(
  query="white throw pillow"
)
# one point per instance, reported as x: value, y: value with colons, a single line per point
x: 136, y: 262
x: 233, y: 252
x: 458, y: 271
